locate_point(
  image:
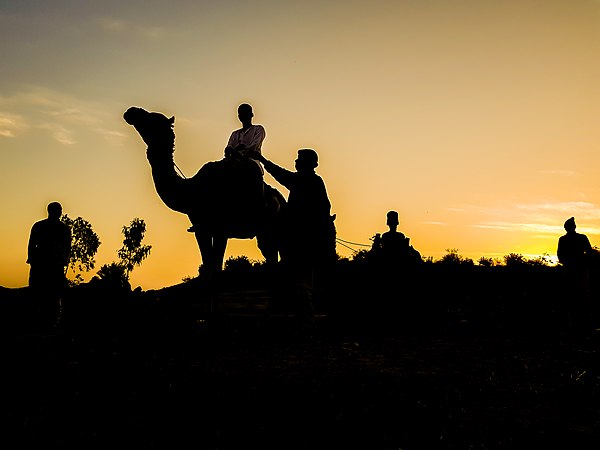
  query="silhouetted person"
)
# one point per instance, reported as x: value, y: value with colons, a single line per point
x: 248, y: 138
x: 392, y: 249
x: 574, y: 253
x: 48, y: 254
x: 246, y: 172
x: 308, y: 241
x: 393, y: 243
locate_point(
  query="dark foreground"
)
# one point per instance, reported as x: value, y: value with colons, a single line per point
x: 158, y: 373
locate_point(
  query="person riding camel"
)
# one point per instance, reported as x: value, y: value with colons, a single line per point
x: 246, y: 171
x: 248, y: 138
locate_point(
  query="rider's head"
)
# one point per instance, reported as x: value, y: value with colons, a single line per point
x: 245, y: 113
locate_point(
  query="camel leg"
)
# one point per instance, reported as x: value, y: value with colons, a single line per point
x: 206, y: 252
x: 219, y: 245
x: 268, y: 247
x: 212, y: 250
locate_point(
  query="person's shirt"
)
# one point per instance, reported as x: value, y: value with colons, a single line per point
x: 252, y: 138
x: 308, y: 196
x: 49, y: 243
x: 394, y: 243
x: 573, y: 248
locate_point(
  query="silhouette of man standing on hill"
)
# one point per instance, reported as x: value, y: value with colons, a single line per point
x: 574, y: 252
x: 48, y: 254
x: 48, y: 251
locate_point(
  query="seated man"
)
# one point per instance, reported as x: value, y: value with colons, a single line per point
x: 392, y: 248
x: 240, y: 178
x: 393, y: 243
x: 246, y: 139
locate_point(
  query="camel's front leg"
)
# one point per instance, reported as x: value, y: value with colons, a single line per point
x: 212, y: 250
x: 219, y: 246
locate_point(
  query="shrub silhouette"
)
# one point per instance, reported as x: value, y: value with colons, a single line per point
x: 131, y: 254
x: 453, y: 258
x: 238, y: 264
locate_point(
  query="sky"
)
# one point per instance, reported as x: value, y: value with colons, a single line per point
x: 476, y: 120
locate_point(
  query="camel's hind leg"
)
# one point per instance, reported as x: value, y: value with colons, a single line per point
x: 269, y: 247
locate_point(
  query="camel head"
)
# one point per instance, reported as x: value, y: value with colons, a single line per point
x: 156, y: 129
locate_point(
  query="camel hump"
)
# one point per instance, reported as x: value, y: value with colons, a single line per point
x: 235, y: 191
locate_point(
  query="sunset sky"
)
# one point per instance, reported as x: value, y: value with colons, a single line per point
x: 476, y: 120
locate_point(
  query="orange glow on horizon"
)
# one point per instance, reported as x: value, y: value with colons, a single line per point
x: 476, y: 121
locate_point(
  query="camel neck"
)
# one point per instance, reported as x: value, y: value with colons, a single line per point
x: 159, y: 154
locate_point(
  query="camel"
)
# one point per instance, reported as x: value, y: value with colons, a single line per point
x: 225, y: 199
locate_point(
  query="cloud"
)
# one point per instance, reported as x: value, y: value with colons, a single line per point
x: 543, y: 230
x: 539, y: 219
x: 121, y: 27
x: 62, y: 115
x: 559, y: 172
x: 582, y: 209
x: 515, y: 226
x: 59, y: 133
x: 11, y: 124
x: 114, y: 138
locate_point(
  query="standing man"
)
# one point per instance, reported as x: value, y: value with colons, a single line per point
x: 308, y: 230
x: 574, y: 251
x: 48, y: 254
x: 308, y: 233
x: 574, y: 254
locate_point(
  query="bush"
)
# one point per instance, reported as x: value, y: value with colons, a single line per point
x: 114, y: 276
x: 238, y: 264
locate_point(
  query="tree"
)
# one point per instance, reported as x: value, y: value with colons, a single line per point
x: 84, y: 245
x: 131, y: 254
x: 486, y: 262
x: 515, y: 260
x: 113, y: 275
x: 453, y: 258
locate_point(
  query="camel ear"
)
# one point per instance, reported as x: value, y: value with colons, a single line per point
x: 172, y: 120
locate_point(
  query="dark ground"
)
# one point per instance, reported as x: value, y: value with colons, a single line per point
x: 447, y: 367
